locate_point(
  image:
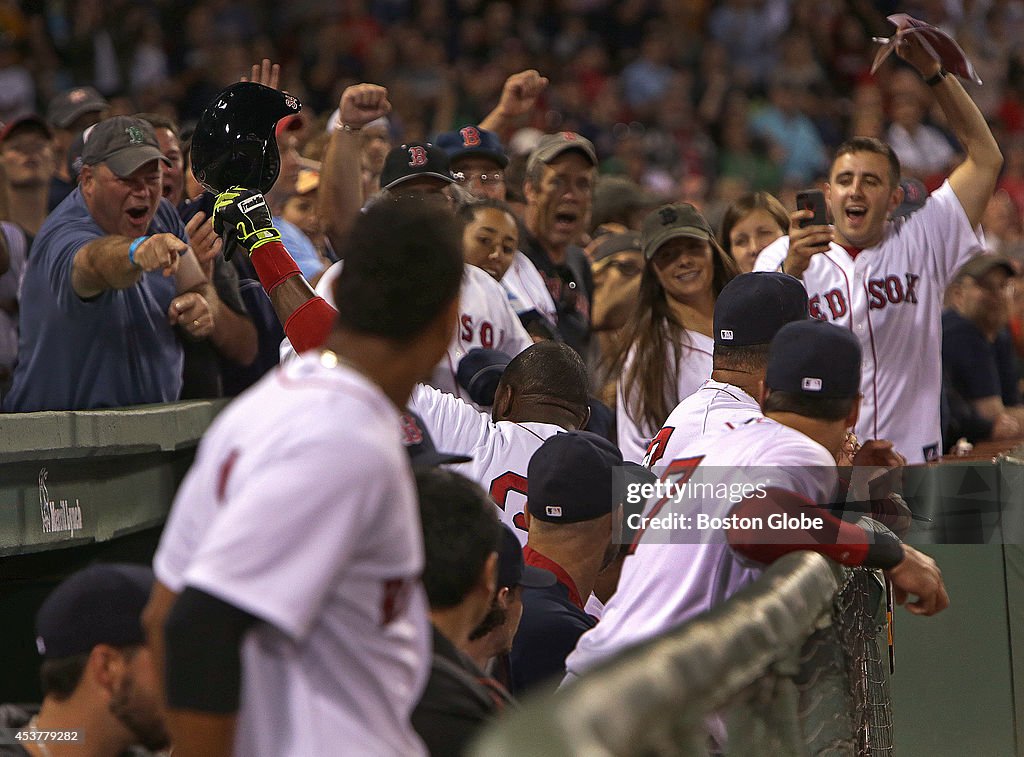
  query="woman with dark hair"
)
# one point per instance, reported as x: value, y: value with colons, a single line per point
x: 666, y: 347
x: 750, y: 224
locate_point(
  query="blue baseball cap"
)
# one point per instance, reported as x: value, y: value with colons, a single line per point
x: 513, y: 571
x: 101, y: 604
x: 472, y: 140
x: 754, y: 306
x: 814, y: 359
x: 572, y: 478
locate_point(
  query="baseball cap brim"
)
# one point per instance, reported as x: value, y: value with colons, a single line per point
x: 693, y: 232
x: 31, y: 121
x: 128, y: 160
x: 410, y: 177
x: 436, y: 457
x: 537, y: 578
x: 500, y: 158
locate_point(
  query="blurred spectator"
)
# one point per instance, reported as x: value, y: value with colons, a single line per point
x: 108, y: 280
x: 750, y: 224
x: 302, y: 210
x: 620, y: 200
x: 645, y: 80
x: 785, y: 122
x: 569, y: 518
x: 461, y: 539
x: 299, y: 245
x: 617, y: 259
x: 559, y: 185
x: 70, y: 113
x: 17, y: 88
x: 478, y: 160
x: 977, y: 350
x: 29, y: 163
x: 98, y: 677
x: 922, y: 149
x: 665, y: 350
x: 1001, y: 224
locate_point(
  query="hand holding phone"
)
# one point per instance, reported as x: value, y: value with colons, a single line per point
x: 813, y: 200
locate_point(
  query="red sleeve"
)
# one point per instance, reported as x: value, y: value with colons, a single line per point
x: 846, y: 543
x: 307, y: 328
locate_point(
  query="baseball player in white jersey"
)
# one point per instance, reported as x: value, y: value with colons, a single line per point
x: 542, y: 392
x: 300, y: 607
x: 486, y: 319
x: 749, y: 311
x: 884, y: 280
x: 682, y: 569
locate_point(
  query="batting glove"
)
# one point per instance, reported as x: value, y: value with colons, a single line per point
x: 243, y: 214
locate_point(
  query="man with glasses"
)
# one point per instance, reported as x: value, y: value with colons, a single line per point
x: 977, y: 350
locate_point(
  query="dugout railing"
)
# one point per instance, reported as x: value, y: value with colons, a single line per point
x: 788, y: 666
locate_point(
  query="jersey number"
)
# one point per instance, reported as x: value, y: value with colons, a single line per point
x: 657, y: 446
x: 684, y: 468
x: 499, y: 491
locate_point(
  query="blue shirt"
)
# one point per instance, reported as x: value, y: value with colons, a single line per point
x: 300, y: 247
x: 976, y: 367
x: 112, y: 350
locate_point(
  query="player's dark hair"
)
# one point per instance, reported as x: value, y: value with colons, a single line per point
x: 467, y: 209
x: 744, y: 206
x: 60, y: 677
x: 549, y: 369
x: 460, y: 531
x: 752, y: 358
x: 403, y: 267
x: 877, y: 146
x: 822, y: 408
x: 655, y: 338
x: 495, y: 617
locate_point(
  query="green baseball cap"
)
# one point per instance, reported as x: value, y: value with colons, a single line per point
x: 124, y: 143
x: 672, y: 221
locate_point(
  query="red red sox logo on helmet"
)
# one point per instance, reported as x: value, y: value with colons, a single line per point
x: 417, y: 157
x: 470, y: 136
x: 890, y: 290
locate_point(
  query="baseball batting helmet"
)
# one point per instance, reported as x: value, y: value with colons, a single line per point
x: 234, y: 142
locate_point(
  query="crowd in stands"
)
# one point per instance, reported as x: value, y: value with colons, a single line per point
x: 578, y: 220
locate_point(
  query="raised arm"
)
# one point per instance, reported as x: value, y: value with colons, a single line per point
x: 974, y: 180
x: 341, y: 174
x: 518, y: 97
x: 116, y: 262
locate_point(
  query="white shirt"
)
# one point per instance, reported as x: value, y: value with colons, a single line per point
x: 695, y: 364
x: 486, y: 319
x: 300, y: 509
x: 501, y: 451
x: 890, y: 297
x: 675, y: 575
x: 715, y: 407
x: 527, y: 290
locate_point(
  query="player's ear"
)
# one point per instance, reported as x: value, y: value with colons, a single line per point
x: 502, y: 407
x: 762, y: 393
x: 526, y: 518
x: 854, y: 414
x: 585, y: 421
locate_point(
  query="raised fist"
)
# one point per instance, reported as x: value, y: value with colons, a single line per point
x: 242, y: 214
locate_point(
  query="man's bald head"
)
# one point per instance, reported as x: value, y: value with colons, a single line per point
x: 547, y: 375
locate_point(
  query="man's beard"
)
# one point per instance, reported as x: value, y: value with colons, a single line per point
x: 140, y: 715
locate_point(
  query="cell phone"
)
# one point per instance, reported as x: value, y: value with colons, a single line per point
x: 812, y: 199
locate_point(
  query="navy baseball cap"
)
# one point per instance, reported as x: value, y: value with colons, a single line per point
x: 754, y: 306
x: 101, y: 604
x: 479, y: 372
x: 471, y: 141
x: 915, y: 195
x: 814, y: 359
x: 413, y: 160
x: 420, y: 445
x: 512, y: 571
x: 571, y: 478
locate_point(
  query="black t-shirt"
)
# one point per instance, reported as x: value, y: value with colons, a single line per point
x: 976, y: 367
x: 571, y: 286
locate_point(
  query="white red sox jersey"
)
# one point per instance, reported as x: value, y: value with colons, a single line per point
x: 501, y: 451
x: 634, y: 436
x: 676, y: 574
x: 300, y: 509
x: 527, y: 290
x: 712, y: 409
x: 486, y: 319
x: 890, y: 297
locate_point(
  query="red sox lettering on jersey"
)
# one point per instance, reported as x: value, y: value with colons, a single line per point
x: 890, y: 297
x: 883, y: 291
